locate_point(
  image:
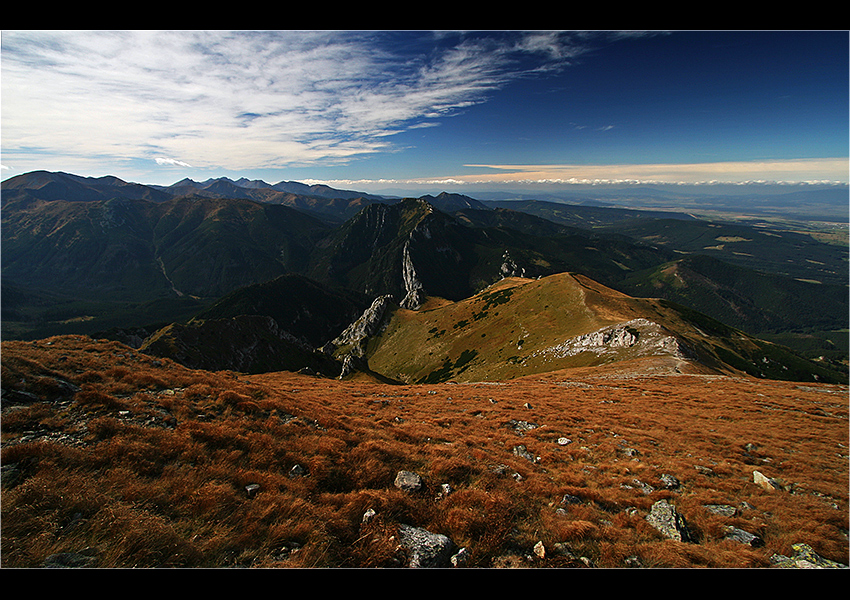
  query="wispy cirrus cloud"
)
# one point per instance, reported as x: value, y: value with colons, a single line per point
x: 249, y: 99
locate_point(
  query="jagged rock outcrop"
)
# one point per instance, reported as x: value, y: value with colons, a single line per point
x: 767, y: 483
x: 426, y: 549
x: 667, y: 520
x: 644, y: 336
x: 414, y: 291
x: 509, y: 268
x: 355, y: 335
x: 804, y: 557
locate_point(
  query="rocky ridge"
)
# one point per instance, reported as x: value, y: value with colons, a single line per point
x: 642, y: 335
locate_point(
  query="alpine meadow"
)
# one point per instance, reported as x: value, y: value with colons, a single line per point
x: 518, y: 300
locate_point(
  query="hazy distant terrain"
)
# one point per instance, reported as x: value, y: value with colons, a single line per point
x: 83, y: 255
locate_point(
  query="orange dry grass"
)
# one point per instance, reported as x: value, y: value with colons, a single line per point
x: 148, y: 464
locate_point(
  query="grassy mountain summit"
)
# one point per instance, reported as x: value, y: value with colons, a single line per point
x: 519, y: 327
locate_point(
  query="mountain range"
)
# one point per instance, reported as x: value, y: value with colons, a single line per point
x: 183, y: 264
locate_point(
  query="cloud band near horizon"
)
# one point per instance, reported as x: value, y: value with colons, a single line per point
x: 826, y: 170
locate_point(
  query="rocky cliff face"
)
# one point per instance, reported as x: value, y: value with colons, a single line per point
x: 355, y: 335
x: 414, y: 291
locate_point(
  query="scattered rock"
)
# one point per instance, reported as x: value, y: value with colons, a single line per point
x: 570, y: 499
x: 633, y: 562
x: 668, y: 521
x: 408, y: 481
x: 766, y: 482
x: 804, y: 558
x: 724, y: 510
x: 643, y: 487
x: 540, y: 550
x: 670, y: 482
x: 521, y: 426
x: 745, y: 537
x: 297, y: 471
x: 523, y: 452
x: 426, y: 549
x: 704, y: 470
x: 461, y: 559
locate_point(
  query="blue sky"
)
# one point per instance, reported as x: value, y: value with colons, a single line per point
x: 412, y: 109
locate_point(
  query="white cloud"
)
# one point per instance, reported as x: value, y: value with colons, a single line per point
x: 171, y: 162
x: 245, y: 100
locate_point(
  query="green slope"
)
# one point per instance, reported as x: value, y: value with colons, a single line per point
x: 520, y: 327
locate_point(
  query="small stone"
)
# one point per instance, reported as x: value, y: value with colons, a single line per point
x: 670, y: 482
x: 252, y: 489
x: 804, y: 558
x: 540, y: 550
x: 570, y: 499
x: 368, y: 515
x: 633, y: 562
x: 765, y: 482
x: 445, y: 490
x: 461, y: 558
x: 408, y: 481
x: 521, y: 426
x: 644, y: 487
x: 523, y: 452
x: 297, y: 471
x: 562, y: 441
x: 745, y: 537
x: 724, y: 510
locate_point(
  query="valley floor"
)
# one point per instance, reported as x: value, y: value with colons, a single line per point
x: 112, y: 458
